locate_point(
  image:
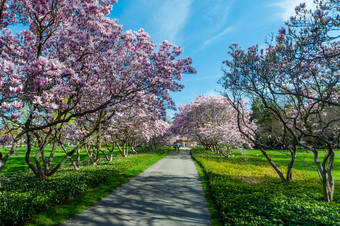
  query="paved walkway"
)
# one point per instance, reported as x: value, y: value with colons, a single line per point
x: 168, y: 193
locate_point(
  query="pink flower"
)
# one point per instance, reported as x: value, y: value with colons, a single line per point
x: 318, y: 12
x: 282, y: 31
x: 38, y: 100
x: 12, y: 90
x: 19, y: 89
x: 6, y: 106
x: 17, y: 104
x: 15, y: 115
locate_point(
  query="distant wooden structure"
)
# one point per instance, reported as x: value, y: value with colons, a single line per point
x: 187, y: 142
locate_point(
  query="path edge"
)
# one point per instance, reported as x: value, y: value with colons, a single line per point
x: 215, y: 217
x: 91, y: 197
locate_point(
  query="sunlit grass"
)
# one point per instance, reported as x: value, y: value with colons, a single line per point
x: 17, y: 162
x: 304, y: 161
x: 246, y: 190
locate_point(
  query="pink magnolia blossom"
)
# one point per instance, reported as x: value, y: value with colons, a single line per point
x: 15, y: 115
x: 211, y: 121
x: 74, y: 61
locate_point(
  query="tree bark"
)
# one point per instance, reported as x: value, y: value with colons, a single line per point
x: 13, y: 150
x: 76, y: 164
x: 78, y: 158
x: 282, y: 177
x: 38, y: 173
x: 326, y: 174
x: 289, y: 176
x: 133, y: 149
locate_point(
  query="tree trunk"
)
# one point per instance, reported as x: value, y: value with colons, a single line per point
x: 78, y: 158
x: 36, y: 170
x: 325, y: 169
x: 122, y: 150
x: 273, y: 165
x: 289, y: 176
x: 108, y: 158
x: 89, y: 153
x: 74, y: 164
x: 69, y: 154
x: 127, y: 148
x: 133, y: 149
x: 112, y: 149
x: 111, y: 152
x: 105, y: 155
x: 13, y: 150
x: 49, y: 161
x: 93, y: 154
x: 225, y: 153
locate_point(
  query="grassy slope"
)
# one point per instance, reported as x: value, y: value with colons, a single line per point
x: 246, y: 190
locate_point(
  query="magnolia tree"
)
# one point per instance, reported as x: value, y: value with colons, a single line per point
x: 268, y: 126
x: 297, y: 80
x: 123, y: 126
x: 70, y: 62
x: 136, y: 126
x: 165, y: 139
x: 213, y: 123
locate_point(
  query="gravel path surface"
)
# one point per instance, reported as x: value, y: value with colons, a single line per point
x: 168, y: 193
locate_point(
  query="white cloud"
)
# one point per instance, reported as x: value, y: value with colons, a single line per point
x: 288, y: 7
x: 212, y: 93
x: 194, y: 79
x: 224, y: 32
x: 218, y: 13
x: 172, y: 17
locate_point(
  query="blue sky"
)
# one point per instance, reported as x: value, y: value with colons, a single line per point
x: 205, y: 29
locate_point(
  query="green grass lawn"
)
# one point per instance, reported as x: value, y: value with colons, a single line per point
x: 304, y: 161
x: 246, y: 190
x: 25, y: 198
x: 17, y: 162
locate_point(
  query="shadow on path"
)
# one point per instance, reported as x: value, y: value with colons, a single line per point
x: 168, y: 193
